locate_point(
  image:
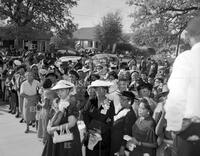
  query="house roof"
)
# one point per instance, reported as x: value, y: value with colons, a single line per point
x: 85, y: 34
x: 6, y: 33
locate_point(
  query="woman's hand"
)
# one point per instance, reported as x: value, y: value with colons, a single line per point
x: 134, y: 141
x: 51, y: 130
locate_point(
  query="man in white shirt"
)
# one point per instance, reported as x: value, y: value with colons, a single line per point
x: 183, y: 102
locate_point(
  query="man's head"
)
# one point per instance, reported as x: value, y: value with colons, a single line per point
x: 192, y: 31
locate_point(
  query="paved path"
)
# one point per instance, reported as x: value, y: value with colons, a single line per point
x: 13, y: 140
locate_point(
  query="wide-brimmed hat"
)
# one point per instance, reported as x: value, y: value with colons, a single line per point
x: 100, y: 83
x: 165, y: 92
x: 128, y: 94
x: 63, y: 84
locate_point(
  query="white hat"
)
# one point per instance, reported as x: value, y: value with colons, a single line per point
x: 17, y: 62
x: 85, y: 70
x: 62, y: 84
x: 101, y: 83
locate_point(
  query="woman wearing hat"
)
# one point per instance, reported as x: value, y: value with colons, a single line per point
x: 64, y: 119
x: 123, y: 122
x: 143, y: 140
x: 98, y: 117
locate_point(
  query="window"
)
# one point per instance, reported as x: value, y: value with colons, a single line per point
x: 89, y: 43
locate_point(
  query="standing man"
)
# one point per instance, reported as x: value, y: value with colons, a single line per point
x: 183, y: 103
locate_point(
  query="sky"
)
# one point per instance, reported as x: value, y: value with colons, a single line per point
x: 88, y: 13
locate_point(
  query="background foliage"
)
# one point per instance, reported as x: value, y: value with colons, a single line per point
x: 159, y: 23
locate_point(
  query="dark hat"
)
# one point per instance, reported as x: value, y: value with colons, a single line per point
x: 51, y: 74
x: 123, y: 65
x: 193, y: 26
x: 73, y: 72
x: 128, y: 94
x: 165, y: 92
x: 144, y: 85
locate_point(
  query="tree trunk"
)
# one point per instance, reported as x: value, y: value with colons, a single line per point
x: 178, y: 45
x: 16, y: 42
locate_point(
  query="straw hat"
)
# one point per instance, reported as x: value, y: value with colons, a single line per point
x: 63, y: 84
x: 100, y: 83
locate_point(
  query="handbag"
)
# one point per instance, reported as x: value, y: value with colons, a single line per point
x: 62, y: 137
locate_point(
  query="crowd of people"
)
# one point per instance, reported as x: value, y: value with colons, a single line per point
x: 110, y: 100
x: 94, y: 109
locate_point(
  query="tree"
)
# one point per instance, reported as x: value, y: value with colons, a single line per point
x: 64, y: 37
x: 41, y: 13
x: 37, y: 14
x: 162, y: 21
x: 109, y: 31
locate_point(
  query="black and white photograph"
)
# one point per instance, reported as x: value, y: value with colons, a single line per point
x: 99, y: 78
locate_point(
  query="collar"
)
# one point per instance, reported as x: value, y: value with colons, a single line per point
x: 121, y: 114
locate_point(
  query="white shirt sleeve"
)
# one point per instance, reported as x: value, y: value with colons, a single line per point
x: 176, y: 101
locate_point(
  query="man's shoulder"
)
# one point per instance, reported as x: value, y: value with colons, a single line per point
x: 183, y: 55
x: 183, y: 59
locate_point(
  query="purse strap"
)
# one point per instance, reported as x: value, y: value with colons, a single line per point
x: 67, y: 129
x: 61, y: 130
